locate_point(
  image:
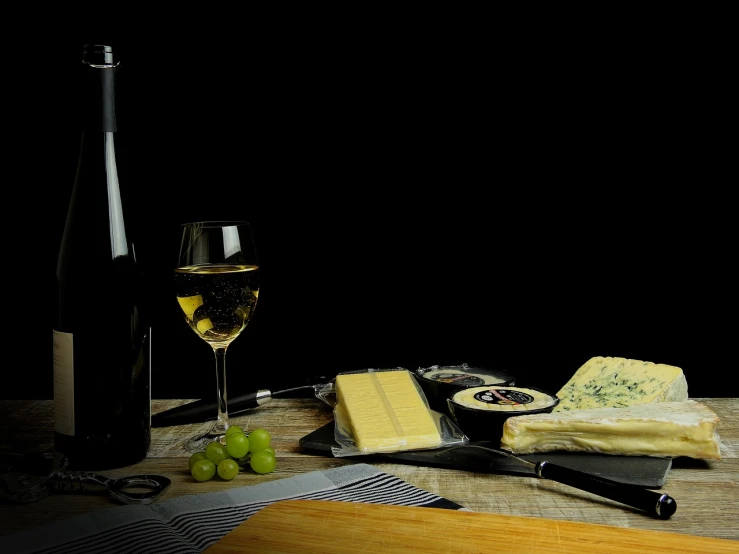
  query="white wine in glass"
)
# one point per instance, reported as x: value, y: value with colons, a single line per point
x: 217, y: 287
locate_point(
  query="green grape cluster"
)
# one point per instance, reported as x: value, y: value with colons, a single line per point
x: 238, y: 451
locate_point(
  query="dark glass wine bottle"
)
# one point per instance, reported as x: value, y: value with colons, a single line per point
x: 102, y: 399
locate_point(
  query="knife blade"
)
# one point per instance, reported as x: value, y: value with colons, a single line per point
x: 657, y: 504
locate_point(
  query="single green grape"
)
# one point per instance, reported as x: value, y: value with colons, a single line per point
x: 216, y: 452
x: 259, y: 439
x: 263, y: 461
x: 233, y: 429
x: 228, y: 469
x: 203, y: 470
x: 237, y: 445
x: 195, y: 457
x: 270, y: 449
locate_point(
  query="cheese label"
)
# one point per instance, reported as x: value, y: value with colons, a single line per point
x: 518, y: 399
x: 463, y: 376
x: 461, y: 379
x: 506, y: 397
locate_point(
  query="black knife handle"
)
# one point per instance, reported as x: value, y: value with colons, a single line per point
x: 202, y: 410
x: 655, y: 503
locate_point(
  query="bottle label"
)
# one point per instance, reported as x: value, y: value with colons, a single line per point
x: 63, y: 383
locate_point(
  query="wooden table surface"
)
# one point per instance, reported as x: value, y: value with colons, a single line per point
x: 707, y: 492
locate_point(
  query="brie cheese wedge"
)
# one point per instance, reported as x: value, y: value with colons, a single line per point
x: 664, y: 429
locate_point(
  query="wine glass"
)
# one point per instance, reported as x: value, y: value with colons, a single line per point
x: 217, y: 286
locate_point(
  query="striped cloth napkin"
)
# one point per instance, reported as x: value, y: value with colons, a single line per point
x: 190, y: 524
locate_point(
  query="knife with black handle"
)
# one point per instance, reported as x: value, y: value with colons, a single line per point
x: 206, y: 410
x: 657, y: 504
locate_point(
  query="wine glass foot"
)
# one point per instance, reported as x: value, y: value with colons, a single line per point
x: 200, y: 442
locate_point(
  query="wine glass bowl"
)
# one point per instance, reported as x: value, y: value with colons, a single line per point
x: 216, y: 283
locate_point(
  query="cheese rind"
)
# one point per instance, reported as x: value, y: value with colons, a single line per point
x: 385, y: 411
x: 666, y: 429
x: 605, y: 382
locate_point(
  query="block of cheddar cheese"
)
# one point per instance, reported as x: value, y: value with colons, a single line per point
x: 385, y: 411
x: 665, y: 429
x: 605, y: 382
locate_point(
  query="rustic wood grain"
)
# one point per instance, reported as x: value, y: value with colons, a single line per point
x: 707, y: 492
x: 323, y: 527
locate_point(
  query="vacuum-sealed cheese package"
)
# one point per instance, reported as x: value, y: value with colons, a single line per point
x: 385, y: 410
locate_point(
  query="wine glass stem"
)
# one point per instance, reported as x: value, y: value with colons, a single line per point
x: 221, y: 424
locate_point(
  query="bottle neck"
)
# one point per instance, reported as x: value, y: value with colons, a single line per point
x: 98, y: 98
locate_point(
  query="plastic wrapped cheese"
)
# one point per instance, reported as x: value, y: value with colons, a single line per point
x: 386, y: 411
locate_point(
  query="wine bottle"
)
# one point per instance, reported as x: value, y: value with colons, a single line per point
x: 102, y: 399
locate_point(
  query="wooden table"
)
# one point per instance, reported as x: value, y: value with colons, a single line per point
x: 707, y: 492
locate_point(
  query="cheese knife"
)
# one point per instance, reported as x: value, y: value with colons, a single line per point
x: 205, y: 410
x: 656, y: 504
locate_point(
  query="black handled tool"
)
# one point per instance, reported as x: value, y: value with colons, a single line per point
x: 205, y: 410
x: 655, y: 503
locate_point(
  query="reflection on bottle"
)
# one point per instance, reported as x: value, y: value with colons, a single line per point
x: 118, y: 243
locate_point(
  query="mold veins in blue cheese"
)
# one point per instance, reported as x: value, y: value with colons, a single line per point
x: 604, y: 382
x: 664, y: 429
x: 503, y: 399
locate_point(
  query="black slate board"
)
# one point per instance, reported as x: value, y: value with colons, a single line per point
x: 644, y: 471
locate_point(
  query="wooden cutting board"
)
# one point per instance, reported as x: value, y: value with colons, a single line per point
x: 327, y: 527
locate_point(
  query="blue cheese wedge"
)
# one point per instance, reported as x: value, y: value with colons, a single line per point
x: 605, y: 382
x: 664, y: 429
x: 386, y: 412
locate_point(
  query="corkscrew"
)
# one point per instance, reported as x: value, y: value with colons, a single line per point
x: 28, y: 478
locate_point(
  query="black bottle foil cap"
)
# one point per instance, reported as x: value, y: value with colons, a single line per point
x: 98, y: 54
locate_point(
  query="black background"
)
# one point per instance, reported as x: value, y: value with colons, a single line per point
x: 413, y: 203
